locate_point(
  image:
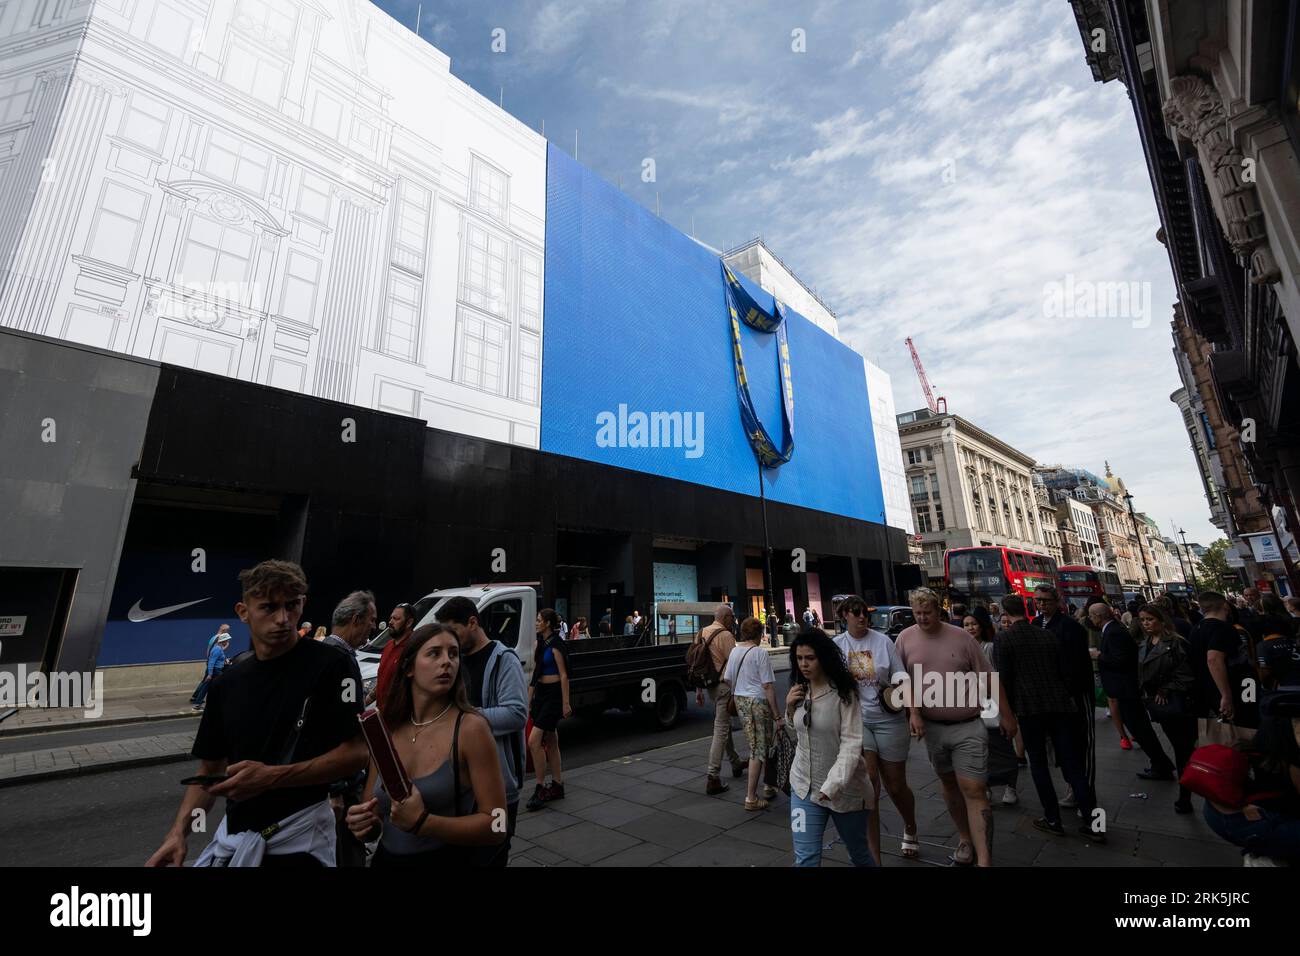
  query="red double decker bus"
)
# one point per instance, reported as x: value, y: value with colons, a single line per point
x: 1080, y: 583
x: 987, y: 575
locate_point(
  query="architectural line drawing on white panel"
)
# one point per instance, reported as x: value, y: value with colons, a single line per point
x: 296, y: 193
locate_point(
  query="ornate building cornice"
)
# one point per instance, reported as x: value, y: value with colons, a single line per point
x: 1195, y: 111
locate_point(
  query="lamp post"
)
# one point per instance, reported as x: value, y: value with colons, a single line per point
x: 1145, y: 567
x: 1191, y: 565
x: 767, y: 554
x: 1182, y: 567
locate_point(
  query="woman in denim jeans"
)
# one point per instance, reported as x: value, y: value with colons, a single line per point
x: 828, y: 780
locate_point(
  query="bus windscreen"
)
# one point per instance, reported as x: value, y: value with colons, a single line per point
x: 977, y: 573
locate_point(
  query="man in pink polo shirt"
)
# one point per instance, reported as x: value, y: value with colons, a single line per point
x: 950, y: 681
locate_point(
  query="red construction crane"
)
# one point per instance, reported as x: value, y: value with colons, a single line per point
x: 930, y: 400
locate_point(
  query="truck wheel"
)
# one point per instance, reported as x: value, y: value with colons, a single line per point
x: 668, y: 708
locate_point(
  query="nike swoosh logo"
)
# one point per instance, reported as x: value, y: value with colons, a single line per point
x: 138, y: 616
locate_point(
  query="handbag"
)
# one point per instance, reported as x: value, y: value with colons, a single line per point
x: 1175, y: 705
x: 1211, y: 730
x: 776, y: 773
x: 890, y: 697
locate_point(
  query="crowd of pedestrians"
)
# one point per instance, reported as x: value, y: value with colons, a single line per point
x: 1022, y: 693
x: 280, y: 737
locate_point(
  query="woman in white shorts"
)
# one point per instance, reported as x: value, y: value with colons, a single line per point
x: 872, y: 660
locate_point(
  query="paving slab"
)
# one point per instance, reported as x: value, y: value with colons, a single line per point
x: 648, y: 794
x: 643, y: 854
x: 671, y: 776
x: 669, y: 830
x: 633, y: 767
x: 587, y: 842
x: 540, y: 822
x: 614, y: 812
x: 726, y: 850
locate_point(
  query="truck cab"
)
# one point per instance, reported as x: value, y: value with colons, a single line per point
x: 507, y: 613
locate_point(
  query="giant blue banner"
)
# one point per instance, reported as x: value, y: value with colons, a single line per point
x: 638, y: 365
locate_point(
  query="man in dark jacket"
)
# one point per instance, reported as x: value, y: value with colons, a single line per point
x: 1077, y: 663
x: 1032, y: 668
x: 1117, y: 663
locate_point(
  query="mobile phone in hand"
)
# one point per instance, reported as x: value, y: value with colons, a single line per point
x: 205, y: 779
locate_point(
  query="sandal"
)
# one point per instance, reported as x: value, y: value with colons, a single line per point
x: 759, y: 804
x: 958, y: 858
x: 911, y: 846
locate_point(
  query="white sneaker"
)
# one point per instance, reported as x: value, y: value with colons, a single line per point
x: 1068, y: 801
x: 1009, y: 797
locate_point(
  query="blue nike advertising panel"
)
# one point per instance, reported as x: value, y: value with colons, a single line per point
x: 168, y: 601
x: 642, y: 364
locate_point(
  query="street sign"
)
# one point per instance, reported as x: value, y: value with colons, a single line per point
x: 918, y: 539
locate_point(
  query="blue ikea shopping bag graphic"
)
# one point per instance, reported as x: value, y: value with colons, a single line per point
x: 639, y: 348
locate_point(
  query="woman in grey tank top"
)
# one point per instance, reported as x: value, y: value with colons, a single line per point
x: 458, y: 798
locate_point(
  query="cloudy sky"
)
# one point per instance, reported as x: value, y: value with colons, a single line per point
x: 944, y: 169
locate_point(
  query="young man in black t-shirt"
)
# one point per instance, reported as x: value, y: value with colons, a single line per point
x: 282, y: 724
x: 1222, y: 665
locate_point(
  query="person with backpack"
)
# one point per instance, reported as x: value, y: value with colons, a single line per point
x: 828, y: 776
x: 495, y: 682
x: 1252, y: 790
x: 457, y: 798
x: 749, y: 672
x: 705, y: 659
x: 1167, y: 684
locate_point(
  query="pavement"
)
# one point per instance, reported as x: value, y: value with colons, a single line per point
x: 650, y: 810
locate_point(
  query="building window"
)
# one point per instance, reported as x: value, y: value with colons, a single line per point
x: 314, y: 198
x: 484, y: 285
x: 115, y: 230
x: 144, y: 122
x: 487, y: 190
x: 231, y: 159
x: 481, y: 359
x: 915, y: 456
x: 170, y: 30
x: 275, y: 19
x: 401, y: 315
x: 411, y: 229
x: 301, y: 279
x: 918, y: 485
x: 530, y: 365
x: 530, y: 291
x: 938, y: 514
x: 257, y: 75
x: 923, y: 520
x: 934, y: 485
x: 327, y: 115
x: 215, y: 252
x: 15, y: 97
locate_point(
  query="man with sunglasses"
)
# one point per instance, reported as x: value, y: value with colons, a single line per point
x: 873, y: 661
